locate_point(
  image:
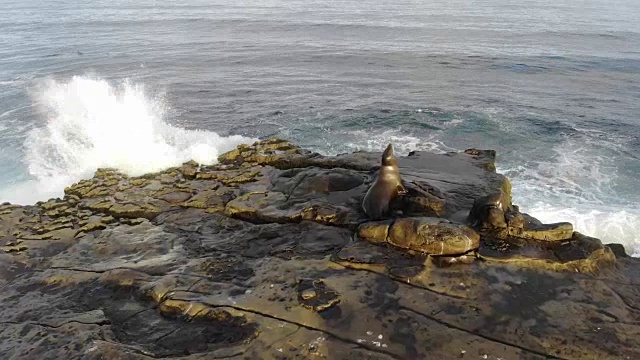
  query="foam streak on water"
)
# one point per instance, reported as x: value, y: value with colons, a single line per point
x: 91, y: 123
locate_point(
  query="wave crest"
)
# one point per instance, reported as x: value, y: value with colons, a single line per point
x: 91, y: 123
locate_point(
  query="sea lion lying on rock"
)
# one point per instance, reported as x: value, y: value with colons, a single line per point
x: 387, y: 187
x: 489, y: 212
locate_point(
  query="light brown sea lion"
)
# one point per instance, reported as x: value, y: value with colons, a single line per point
x: 385, y: 188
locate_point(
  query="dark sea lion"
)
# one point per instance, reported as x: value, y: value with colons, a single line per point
x: 385, y: 188
x: 489, y: 211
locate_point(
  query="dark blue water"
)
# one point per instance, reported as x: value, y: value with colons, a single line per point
x: 553, y: 86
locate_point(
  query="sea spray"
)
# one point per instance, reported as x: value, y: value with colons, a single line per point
x: 577, y: 184
x: 606, y: 223
x: 90, y: 123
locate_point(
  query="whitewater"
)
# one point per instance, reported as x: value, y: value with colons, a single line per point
x: 91, y: 124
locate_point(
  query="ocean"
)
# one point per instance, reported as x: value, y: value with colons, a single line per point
x: 553, y: 86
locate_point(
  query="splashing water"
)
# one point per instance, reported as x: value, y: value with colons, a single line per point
x: 92, y: 124
x: 403, y: 142
x: 606, y: 223
x: 576, y: 185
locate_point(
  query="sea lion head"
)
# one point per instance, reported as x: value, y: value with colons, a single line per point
x: 495, y: 200
x: 489, y: 211
x: 388, y: 157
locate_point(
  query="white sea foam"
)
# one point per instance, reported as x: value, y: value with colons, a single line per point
x: 576, y: 185
x: 402, y: 142
x: 91, y: 123
x: 606, y: 223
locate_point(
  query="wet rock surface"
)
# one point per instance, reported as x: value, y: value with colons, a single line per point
x: 429, y: 235
x: 268, y: 255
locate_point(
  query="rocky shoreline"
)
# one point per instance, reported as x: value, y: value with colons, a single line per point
x: 268, y: 255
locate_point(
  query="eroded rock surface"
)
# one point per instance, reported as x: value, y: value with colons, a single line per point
x: 428, y: 235
x: 268, y: 255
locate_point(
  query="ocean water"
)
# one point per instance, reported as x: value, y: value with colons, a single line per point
x: 553, y: 86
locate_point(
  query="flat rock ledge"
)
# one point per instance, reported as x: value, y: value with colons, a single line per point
x: 268, y: 255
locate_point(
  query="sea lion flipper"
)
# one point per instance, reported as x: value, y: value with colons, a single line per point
x: 401, y: 189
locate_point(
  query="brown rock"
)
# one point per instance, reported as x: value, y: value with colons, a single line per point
x: 264, y: 265
x: 546, y: 232
x: 316, y: 295
x: 427, y: 235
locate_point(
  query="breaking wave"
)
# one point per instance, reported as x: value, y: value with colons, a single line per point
x: 91, y: 123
